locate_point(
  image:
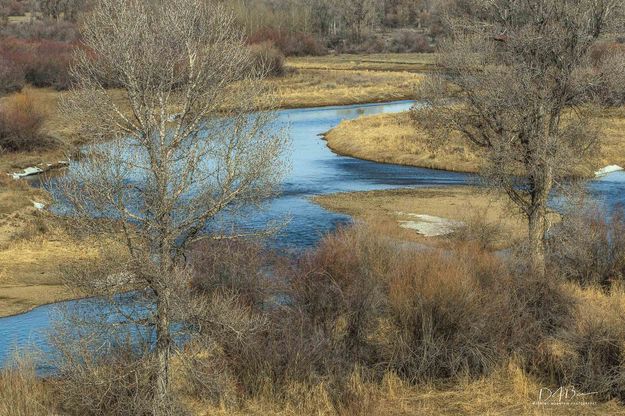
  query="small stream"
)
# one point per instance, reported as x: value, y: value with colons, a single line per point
x: 316, y: 170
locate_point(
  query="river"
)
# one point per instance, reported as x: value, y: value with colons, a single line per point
x: 315, y: 170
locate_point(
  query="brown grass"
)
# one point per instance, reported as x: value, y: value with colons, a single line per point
x: 325, y: 87
x: 23, y: 394
x: 466, y: 204
x: 30, y: 269
x: 412, y: 62
x: 394, y: 138
x: 508, y: 391
x: 33, y: 249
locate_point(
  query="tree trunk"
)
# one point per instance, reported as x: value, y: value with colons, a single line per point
x: 163, y: 348
x: 537, y: 229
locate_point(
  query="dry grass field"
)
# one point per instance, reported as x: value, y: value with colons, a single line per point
x: 411, y: 62
x: 469, y: 205
x: 325, y: 87
x: 393, y: 138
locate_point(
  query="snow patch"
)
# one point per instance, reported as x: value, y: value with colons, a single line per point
x: 429, y: 225
x: 38, y: 205
x: 608, y: 169
x: 26, y: 172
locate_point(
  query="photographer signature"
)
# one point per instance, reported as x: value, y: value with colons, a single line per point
x: 563, y: 396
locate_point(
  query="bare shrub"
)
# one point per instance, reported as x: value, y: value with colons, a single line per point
x: 590, y: 353
x: 479, y: 231
x: 409, y: 41
x: 231, y: 266
x: 101, y: 358
x: 61, y: 31
x: 11, y: 77
x: 268, y: 59
x: 20, y: 125
x: 44, y: 63
x: 588, y: 247
x: 290, y: 43
x: 443, y: 311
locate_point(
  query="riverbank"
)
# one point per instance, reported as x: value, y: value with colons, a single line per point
x: 309, y: 82
x: 394, y: 138
x: 458, y: 212
x: 29, y: 266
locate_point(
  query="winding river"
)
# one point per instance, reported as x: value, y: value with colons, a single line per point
x: 315, y: 170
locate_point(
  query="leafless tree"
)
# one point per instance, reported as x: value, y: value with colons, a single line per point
x: 526, y: 92
x: 358, y: 15
x: 60, y: 9
x: 182, y: 142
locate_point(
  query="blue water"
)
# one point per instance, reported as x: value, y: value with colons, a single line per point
x: 315, y: 171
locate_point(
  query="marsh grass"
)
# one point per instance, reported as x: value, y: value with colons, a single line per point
x: 394, y: 138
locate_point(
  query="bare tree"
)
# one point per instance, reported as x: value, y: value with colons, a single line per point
x: 526, y: 88
x: 359, y: 14
x: 60, y: 9
x: 182, y: 145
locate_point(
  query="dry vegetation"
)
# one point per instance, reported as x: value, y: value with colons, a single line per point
x: 325, y: 87
x: 394, y: 138
x: 371, y: 329
x: 477, y: 209
x: 409, y: 62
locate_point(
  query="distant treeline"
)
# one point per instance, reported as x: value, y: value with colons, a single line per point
x: 344, y: 25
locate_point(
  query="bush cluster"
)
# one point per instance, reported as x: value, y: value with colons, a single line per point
x: 20, y: 125
x: 13, y: 8
x: 359, y: 305
x: 289, y: 43
x: 402, y: 41
x: 268, y: 59
x: 42, y: 62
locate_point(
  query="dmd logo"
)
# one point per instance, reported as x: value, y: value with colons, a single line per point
x: 564, y: 396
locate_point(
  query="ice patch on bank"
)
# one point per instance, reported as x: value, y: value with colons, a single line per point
x: 429, y: 225
x: 608, y: 169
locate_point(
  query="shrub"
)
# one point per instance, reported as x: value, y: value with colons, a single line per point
x: 50, y: 65
x: 588, y: 247
x: 57, y: 30
x: 290, y: 43
x: 604, y: 50
x: 11, y: 77
x: 362, y: 304
x: 268, y: 59
x: 117, y: 384
x: 409, y: 41
x: 45, y: 63
x: 232, y: 267
x: 590, y: 353
x: 20, y: 125
x: 12, y: 8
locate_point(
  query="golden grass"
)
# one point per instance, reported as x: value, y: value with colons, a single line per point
x: 23, y: 394
x: 413, y: 62
x: 394, y: 138
x: 33, y: 249
x: 30, y: 269
x: 320, y: 87
x: 508, y: 391
x: 383, y: 210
